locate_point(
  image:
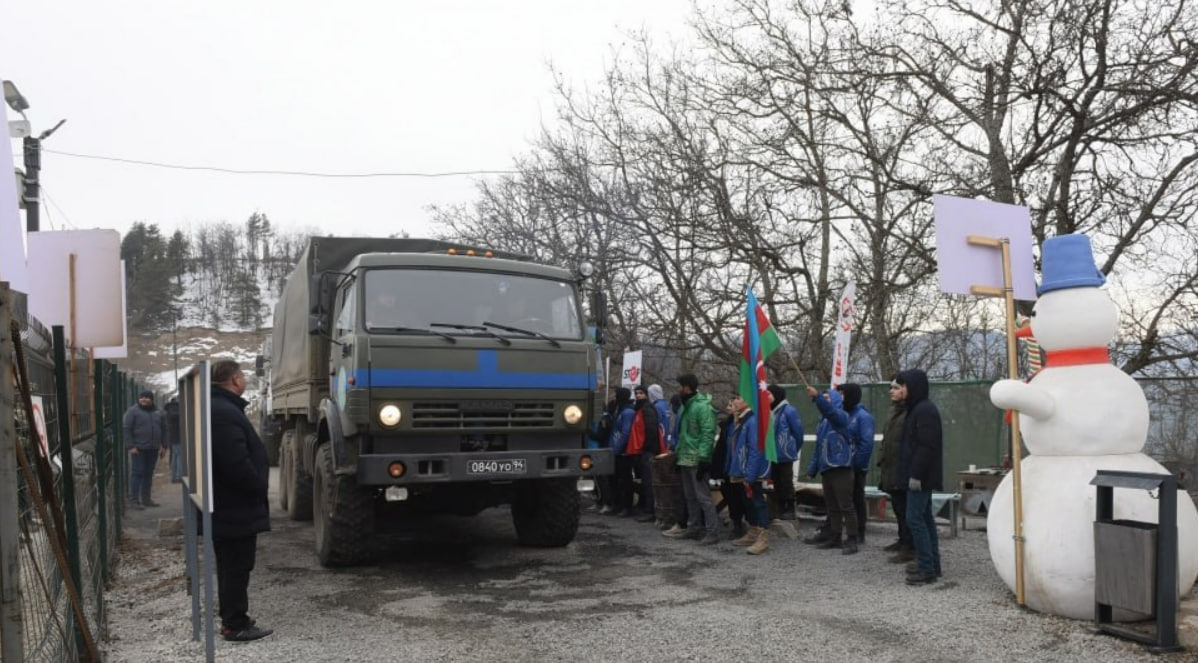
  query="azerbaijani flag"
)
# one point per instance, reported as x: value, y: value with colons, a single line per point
x: 760, y: 342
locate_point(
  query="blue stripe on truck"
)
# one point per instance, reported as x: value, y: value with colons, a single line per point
x: 486, y: 375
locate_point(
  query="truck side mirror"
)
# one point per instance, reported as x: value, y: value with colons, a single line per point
x: 259, y: 365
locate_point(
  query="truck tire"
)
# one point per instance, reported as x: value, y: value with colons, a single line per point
x: 344, y: 515
x: 546, y: 512
x: 297, y: 481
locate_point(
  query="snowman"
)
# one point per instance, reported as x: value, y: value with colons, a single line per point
x: 1078, y: 415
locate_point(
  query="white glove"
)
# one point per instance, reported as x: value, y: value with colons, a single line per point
x: 914, y: 484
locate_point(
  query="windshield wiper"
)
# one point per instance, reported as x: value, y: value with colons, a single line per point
x: 477, y: 328
x: 411, y: 330
x: 526, y: 332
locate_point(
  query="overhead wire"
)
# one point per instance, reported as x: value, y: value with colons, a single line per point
x: 288, y: 173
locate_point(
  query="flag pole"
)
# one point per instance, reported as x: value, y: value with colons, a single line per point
x: 798, y: 370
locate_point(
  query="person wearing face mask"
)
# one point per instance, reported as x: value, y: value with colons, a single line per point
x: 861, y: 429
x: 832, y: 461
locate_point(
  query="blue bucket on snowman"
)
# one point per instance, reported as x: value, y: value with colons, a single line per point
x: 1067, y: 261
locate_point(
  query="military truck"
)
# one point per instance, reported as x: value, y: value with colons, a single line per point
x: 412, y: 377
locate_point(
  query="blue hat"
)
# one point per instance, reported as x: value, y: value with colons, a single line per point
x: 1068, y: 262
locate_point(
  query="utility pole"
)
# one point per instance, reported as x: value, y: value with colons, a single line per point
x: 33, y: 158
x: 33, y: 166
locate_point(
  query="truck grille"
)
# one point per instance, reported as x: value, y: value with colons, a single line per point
x: 493, y: 415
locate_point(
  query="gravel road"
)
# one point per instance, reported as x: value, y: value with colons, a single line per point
x: 460, y: 589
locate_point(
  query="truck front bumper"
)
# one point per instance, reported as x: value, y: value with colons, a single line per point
x: 378, y: 469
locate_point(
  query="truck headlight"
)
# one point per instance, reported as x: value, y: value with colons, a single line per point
x: 572, y: 414
x: 389, y: 415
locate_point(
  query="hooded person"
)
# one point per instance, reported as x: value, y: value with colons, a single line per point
x: 788, y: 441
x: 861, y: 428
x: 144, y: 427
x: 832, y: 462
x: 921, y: 463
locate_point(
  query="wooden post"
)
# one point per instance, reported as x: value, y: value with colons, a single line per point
x: 11, y: 626
x: 1007, y: 292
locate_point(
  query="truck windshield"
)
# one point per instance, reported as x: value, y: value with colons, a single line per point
x: 408, y: 300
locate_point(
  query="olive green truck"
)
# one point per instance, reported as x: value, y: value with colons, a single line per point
x: 410, y: 377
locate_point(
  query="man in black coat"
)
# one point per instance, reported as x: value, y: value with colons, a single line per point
x: 240, y: 477
x: 921, y: 462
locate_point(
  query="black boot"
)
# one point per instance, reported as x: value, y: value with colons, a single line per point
x: 738, y: 529
x: 849, y: 547
x: 833, y: 541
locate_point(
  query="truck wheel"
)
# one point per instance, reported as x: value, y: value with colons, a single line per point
x: 344, y: 514
x: 298, y: 482
x: 546, y: 512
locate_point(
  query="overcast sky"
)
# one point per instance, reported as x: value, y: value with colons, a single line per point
x: 344, y: 87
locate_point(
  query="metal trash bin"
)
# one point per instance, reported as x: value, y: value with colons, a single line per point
x: 1135, y: 563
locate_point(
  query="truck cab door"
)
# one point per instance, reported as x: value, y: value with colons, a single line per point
x: 341, y: 356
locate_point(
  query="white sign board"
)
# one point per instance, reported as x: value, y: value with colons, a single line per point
x: 12, y: 232
x: 99, y: 320
x: 118, y: 351
x: 961, y: 265
x: 632, y: 375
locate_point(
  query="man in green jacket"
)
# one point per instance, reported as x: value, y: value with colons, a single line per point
x: 695, y: 438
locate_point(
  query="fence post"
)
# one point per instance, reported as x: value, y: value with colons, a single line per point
x: 11, y: 636
x: 118, y: 450
x: 66, y: 450
x: 99, y: 366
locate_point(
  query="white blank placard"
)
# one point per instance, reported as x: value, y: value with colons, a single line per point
x: 98, y: 315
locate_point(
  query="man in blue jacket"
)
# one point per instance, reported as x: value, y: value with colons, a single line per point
x: 832, y: 461
x: 788, y: 437
x: 863, y: 448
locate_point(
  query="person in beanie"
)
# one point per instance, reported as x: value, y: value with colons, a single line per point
x: 890, y: 481
x: 646, y: 440
x: 788, y: 438
x: 240, y: 476
x: 861, y: 430
x: 145, y: 437
x: 696, y: 437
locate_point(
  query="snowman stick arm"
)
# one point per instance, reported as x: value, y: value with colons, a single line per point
x: 1026, y: 398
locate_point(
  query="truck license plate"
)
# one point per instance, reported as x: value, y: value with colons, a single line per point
x: 505, y: 466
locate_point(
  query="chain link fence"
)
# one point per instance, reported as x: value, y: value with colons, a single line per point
x: 68, y: 521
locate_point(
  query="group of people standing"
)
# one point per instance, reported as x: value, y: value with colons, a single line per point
x: 677, y: 448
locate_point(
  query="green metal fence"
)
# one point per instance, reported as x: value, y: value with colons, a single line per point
x: 82, y: 403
